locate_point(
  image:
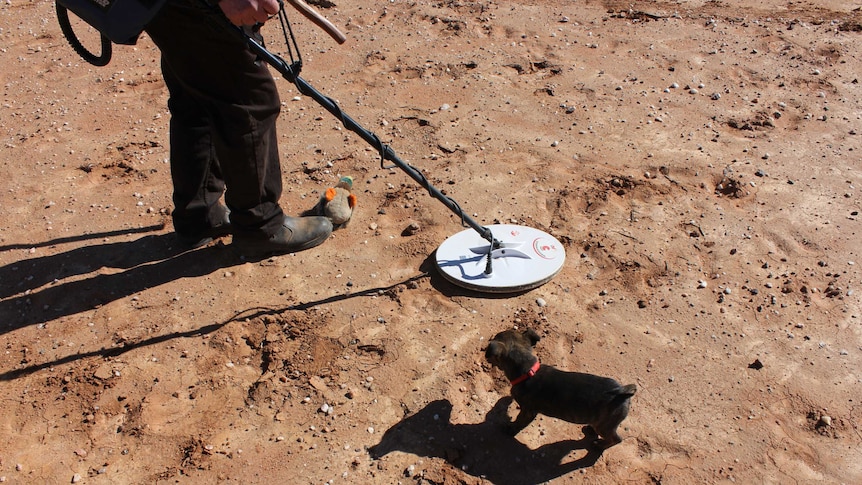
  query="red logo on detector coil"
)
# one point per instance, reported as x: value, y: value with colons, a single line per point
x: 545, y: 248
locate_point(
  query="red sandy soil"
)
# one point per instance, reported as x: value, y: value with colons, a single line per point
x: 699, y: 161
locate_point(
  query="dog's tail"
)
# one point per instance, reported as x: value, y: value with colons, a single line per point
x: 627, y: 391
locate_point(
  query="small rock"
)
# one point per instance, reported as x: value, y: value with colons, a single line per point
x: 76, y: 478
x: 702, y: 283
x: 824, y: 421
x: 756, y: 365
x: 104, y: 372
x: 541, y: 302
x: 411, y: 229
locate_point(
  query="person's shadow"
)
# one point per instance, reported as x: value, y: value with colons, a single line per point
x: 483, y: 450
x: 43, y: 288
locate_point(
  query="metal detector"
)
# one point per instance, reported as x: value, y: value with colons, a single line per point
x: 500, y: 258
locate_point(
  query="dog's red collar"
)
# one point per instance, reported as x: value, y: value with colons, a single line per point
x: 530, y: 373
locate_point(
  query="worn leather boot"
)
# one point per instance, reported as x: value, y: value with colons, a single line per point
x: 295, y: 234
x: 220, y: 226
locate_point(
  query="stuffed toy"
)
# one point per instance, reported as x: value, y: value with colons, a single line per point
x: 337, y: 203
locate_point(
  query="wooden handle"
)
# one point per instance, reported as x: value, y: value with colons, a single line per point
x: 318, y: 20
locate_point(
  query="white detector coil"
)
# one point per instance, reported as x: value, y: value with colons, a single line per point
x: 527, y: 258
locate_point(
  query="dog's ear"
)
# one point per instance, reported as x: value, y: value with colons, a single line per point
x: 494, y: 350
x: 532, y: 335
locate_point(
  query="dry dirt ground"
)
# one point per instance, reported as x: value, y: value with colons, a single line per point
x: 699, y: 160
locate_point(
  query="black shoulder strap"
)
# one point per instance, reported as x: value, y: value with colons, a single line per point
x: 66, y: 27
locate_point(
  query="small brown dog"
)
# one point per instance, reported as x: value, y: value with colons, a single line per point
x: 600, y: 402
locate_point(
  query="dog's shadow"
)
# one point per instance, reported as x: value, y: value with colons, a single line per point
x: 483, y: 450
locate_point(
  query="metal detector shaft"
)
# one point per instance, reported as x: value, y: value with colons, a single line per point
x: 385, y: 151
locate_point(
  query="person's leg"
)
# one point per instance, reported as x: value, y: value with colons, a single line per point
x: 198, y: 185
x: 226, y: 105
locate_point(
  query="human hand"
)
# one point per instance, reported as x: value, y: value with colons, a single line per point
x: 248, y: 12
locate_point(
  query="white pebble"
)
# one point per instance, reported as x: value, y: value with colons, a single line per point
x: 541, y: 302
x: 371, y: 430
x: 701, y: 284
